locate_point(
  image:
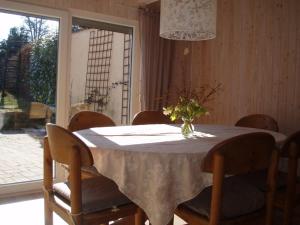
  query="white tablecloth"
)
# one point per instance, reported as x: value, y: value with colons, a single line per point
x: 154, y: 165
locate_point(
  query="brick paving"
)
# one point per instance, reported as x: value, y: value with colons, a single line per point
x: 21, y: 155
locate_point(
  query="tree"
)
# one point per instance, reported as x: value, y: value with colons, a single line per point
x: 76, y: 28
x: 3, y: 48
x: 17, y: 37
x: 36, y: 28
x: 42, y: 79
x: 43, y: 61
x: 41, y: 76
x: 17, y: 34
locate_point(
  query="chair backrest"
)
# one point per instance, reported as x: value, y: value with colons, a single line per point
x: 88, y: 119
x: 238, y: 155
x: 242, y: 154
x: 62, y: 142
x: 150, y: 117
x: 77, y: 107
x: 260, y: 121
x: 293, y: 138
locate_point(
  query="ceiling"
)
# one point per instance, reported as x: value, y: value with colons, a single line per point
x: 146, y: 2
x: 134, y: 3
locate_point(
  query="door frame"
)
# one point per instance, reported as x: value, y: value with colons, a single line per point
x: 62, y: 84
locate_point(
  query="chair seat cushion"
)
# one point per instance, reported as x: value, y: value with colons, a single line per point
x: 239, y: 198
x: 99, y: 193
x: 259, y: 179
x: 87, y: 169
x: 91, y: 170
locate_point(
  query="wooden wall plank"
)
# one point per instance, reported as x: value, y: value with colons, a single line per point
x: 296, y: 100
x: 256, y: 57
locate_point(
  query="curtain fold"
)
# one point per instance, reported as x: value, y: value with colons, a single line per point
x: 156, y: 62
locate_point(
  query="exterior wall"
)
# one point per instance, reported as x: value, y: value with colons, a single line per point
x: 116, y: 75
x: 256, y: 57
x: 79, y: 59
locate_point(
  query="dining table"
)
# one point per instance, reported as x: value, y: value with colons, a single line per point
x: 154, y: 165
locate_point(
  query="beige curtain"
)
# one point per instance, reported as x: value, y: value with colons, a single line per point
x: 155, y: 63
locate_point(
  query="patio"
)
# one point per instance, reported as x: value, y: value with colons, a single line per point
x: 21, y: 155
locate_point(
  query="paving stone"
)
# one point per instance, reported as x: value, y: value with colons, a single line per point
x: 21, y: 155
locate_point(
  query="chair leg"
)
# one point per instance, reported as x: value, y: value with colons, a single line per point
x: 139, y: 218
x: 77, y: 220
x: 129, y: 220
x: 291, y: 188
x: 171, y: 222
x: 48, y: 213
x: 287, y: 211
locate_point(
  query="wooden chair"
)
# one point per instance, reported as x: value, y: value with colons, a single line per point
x: 287, y: 197
x: 85, y: 120
x: 78, y: 107
x: 92, y: 201
x: 88, y: 119
x: 260, y: 121
x: 150, y: 117
x: 231, y: 200
x: 288, y: 184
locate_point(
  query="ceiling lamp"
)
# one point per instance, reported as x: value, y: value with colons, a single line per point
x: 189, y: 20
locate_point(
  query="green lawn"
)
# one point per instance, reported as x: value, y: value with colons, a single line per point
x: 10, y: 102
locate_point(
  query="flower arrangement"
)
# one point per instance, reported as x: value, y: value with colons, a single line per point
x: 185, y: 109
x: 190, y: 105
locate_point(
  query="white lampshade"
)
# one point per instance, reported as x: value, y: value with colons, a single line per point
x: 189, y: 20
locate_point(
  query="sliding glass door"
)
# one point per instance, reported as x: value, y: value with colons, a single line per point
x: 28, y: 83
x: 101, y: 68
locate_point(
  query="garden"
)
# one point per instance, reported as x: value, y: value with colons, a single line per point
x: 28, y: 69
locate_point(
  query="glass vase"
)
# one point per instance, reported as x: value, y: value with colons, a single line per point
x: 187, y: 128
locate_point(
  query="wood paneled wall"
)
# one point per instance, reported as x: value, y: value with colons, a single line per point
x: 256, y: 57
x: 121, y: 8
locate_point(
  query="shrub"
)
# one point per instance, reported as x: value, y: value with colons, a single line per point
x: 43, y: 71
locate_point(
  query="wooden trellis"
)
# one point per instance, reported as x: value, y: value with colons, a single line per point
x: 126, y: 78
x: 98, y: 67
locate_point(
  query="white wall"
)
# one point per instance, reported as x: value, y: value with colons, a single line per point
x: 79, y: 59
x: 116, y: 75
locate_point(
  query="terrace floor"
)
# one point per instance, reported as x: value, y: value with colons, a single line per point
x: 21, y: 155
x: 32, y: 212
